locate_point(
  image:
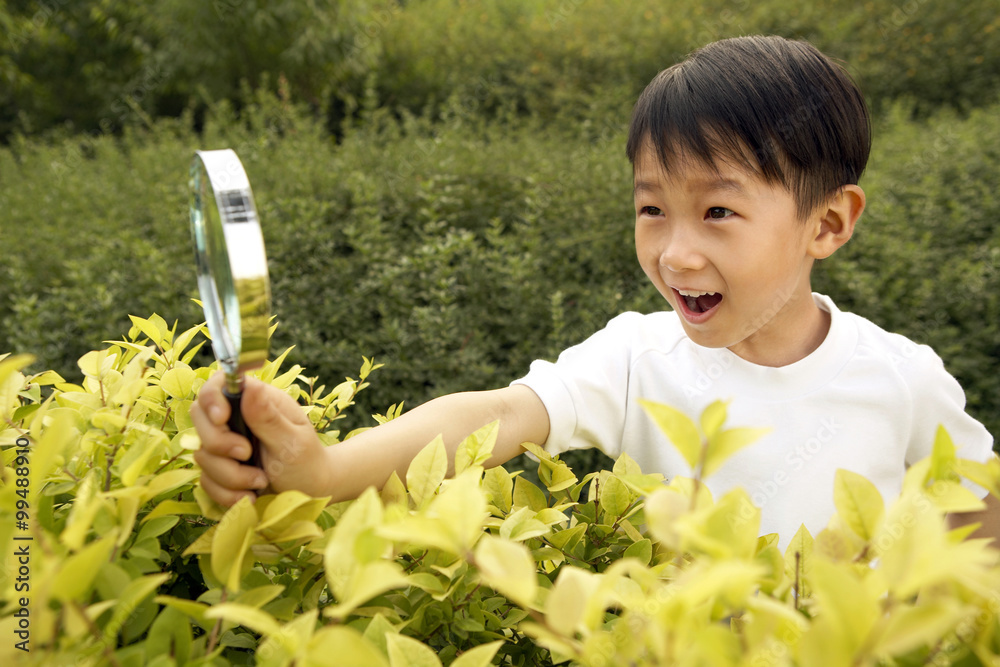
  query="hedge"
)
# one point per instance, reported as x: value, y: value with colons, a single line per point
x: 112, y: 555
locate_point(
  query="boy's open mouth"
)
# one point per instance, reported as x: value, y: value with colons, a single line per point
x: 699, y: 302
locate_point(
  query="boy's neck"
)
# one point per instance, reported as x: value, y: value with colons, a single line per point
x: 793, y: 334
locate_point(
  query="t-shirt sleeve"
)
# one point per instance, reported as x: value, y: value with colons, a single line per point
x: 585, y: 391
x: 938, y: 400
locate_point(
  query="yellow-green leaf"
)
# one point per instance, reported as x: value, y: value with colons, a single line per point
x: 527, y: 494
x: 284, y: 504
x: 232, y: 541
x: 427, y: 471
x: 408, y: 652
x: 943, y: 456
x: 178, y: 381
x: 499, y: 488
x: 76, y: 576
x: 477, y: 447
x: 726, y: 443
x: 615, y: 496
x: 641, y: 550
x: 909, y: 628
x: 713, y: 417
x: 508, y: 568
x: 462, y: 508
x: 678, y: 427
x: 858, y: 502
x: 555, y: 475
x: 340, y: 646
x: 168, y: 481
x: 567, y: 601
x: 249, y: 617
x: 480, y: 656
x: 626, y: 465
x: 148, y: 328
x: 798, y: 560
x: 393, y: 491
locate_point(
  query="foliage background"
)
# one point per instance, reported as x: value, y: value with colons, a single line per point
x: 442, y: 183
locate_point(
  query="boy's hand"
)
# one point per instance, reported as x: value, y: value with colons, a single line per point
x: 291, y: 453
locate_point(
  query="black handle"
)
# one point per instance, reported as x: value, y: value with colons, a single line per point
x: 237, y: 425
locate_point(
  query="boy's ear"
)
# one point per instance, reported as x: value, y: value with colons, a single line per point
x: 836, y: 220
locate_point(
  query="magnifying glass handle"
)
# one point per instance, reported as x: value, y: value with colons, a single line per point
x: 237, y: 425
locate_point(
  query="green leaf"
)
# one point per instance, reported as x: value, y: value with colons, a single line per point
x: 149, y: 328
x: 555, y: 475
x: 136, y: 591
x: 231, y: 543
x: 678, y: 427
x: 178, y: 381
x: 986, y: 475
x: 724, y: 444
x: 408, y: 652
x: 616, y: 498
x: 508, y: 568
x: 527, y: 494
x: 11, y: 382
x: 943, y: 456
x: 76, y: 576
x: 462, y: 509
x: 858, y: 502
x: 340, y: 646
x: 909, y: 628
x: 477, y: 448
x: 713, y: 417
x: 480, y: 656
x: 499, y: 488
x: 522, y: 525
x: 641, y: 551
x: 799, y: 559
x: 290, y: 506
x: 393, y: 491
x: 380, y: 628
x: 567, y: 602
x: 427, y: 471
x: 626, y: 465
x: 249, y: 617
x: 367, y: 581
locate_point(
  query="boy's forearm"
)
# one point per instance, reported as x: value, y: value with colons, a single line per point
x: 369, y: 459
x: 989, y: 520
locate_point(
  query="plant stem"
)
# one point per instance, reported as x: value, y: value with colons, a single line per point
x: 213, y: 638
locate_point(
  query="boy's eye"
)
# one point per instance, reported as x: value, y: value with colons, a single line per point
x: 650, y: 210
x: 719, y: 213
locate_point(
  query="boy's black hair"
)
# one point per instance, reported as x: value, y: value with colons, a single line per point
x: 775, y: 106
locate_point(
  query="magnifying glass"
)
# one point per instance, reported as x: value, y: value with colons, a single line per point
x: 232, y: 273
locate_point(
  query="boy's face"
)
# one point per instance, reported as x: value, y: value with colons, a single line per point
x: 730, y: 255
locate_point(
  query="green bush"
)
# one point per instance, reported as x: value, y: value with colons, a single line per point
x: 113, y: 555
x: 459, y: 250
x: 100, y: 65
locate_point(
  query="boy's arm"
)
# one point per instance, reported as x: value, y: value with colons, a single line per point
x: 989, y: 518
x: 294, y: 458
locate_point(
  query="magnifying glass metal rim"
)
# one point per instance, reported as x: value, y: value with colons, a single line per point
x: 231, y: 262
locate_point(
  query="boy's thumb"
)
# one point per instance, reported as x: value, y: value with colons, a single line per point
x: 271, y: 414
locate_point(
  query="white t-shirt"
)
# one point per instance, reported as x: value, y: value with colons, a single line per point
x: 865, y: 400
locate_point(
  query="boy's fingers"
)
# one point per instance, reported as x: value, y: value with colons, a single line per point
x: 226, y: 473
x: 271, y: 414
x: 212, y: 402
x: 222, y: 495
x: 217, y: 440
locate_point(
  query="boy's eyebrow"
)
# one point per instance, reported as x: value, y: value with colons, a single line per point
x: 730, y: 185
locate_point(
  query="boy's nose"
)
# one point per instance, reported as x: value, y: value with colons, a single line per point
x: 681, y: 253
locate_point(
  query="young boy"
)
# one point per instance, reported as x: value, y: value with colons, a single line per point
x: 746, y: 159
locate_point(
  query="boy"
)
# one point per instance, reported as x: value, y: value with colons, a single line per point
x: 746, y: 159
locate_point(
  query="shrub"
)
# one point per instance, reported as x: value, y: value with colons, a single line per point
x: 113, y: 555
x: 458, y: 250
